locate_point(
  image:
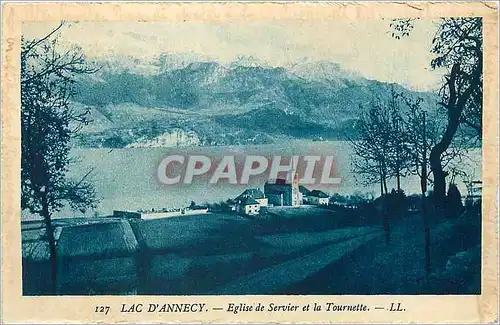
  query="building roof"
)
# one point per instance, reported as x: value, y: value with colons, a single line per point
x: 275, y: 192
x: 304, y: 190
x: 268, y: 186
x: 248, y: 201
x: 318, y: 193
x: 279, y: 181
x: 253, y: 193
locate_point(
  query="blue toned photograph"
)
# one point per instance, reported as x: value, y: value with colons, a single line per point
x: 260, y: 157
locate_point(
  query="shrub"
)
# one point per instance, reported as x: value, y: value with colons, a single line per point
x: 454, y: 204
x: 396, y: 201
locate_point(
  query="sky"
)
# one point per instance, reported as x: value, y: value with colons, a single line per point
x: 361, y: 46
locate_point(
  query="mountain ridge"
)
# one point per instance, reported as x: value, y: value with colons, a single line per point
x: 232, y: 103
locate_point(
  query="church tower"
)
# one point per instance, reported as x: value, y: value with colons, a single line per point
x: 295, y: 184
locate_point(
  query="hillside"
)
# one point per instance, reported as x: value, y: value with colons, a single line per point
x: 134, y: 103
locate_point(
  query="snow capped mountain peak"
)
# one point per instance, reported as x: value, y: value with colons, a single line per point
x: 324, y: 71
x: 307, y: 69
x: 248, y: 61
x: 304, y: 99
x: 135, y: 65
x: 172, y: 61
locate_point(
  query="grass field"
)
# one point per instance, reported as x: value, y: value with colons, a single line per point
x: 289, y: 250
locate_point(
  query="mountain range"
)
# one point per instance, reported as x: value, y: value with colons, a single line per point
x: 176, y: 101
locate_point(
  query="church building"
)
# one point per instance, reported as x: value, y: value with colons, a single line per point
x: 283, y: 193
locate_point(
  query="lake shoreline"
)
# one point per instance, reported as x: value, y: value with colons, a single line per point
x: 125, y: 179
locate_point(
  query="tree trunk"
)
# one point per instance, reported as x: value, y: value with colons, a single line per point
x: 381, y: 182
x: 52, y: 243
x: 435, y: 162
x: 425, y: 214
x: 454, y: 106
x: 427, y: 236
x: 385, y: 185
x: 385, y: 210
x: 385, y: 217
x: 423, y: 187
x: 398, y: 165
x: 398, y: 179
x: 387, y: 229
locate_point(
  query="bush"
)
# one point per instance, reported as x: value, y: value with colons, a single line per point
x: 454, y: 204
x: 396, y: 202
x: 357, y: 199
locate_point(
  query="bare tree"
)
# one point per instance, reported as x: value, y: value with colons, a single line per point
x: 458, y: 46
x: 48, y: 78
x: 372, y: 146
x: 376, y: 150
x: 399, y: 141
x: 423, y: 133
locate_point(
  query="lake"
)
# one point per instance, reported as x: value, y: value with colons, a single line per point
x: 125, y: 179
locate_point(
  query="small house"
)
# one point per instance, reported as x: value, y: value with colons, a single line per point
x: 304, y: 191
x: 248, y: 206
x: 256, y: 194
x: 318, y: 197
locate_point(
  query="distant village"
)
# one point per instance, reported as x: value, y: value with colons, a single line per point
x: 278, y: 193
x: 252, y: 202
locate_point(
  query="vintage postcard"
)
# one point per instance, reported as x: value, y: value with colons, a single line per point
x: 249, y: 162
